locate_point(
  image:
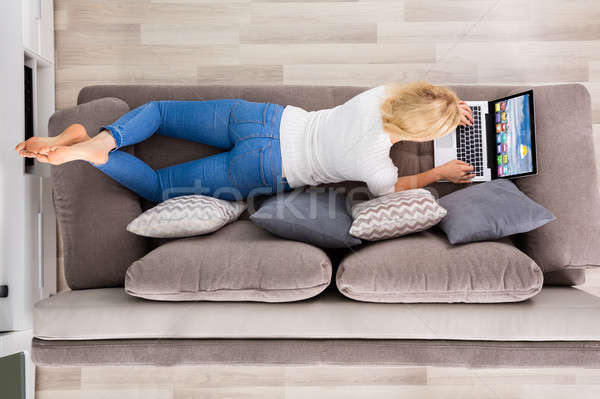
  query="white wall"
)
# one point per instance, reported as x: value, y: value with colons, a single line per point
x: 15, y: 310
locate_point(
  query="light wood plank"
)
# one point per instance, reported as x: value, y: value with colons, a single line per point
x: 550, y: 10
x: 376, y: 74
x: 106, y: 394
x: 345, y: 376
x: 89, y: 12
x: 240, y: 74
x: 264, y: 13
x: 258, y: 54
x: 231, y: 393
x: 459, y: 10
x: 146, y: 55
x: 488, y: 31
x: 595, y: 70
x: 304, y: 33
x: 57, y: 378
x: 466, y: 376
x: 190, y: 34
x: 162, y: 70
x: 509, y: 52
x: 101, y: 378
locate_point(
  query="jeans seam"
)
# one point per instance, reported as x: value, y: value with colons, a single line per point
x: 233, y: 182
x: 273, y: 182
x: 272, y: 119
x: 261, y: 159
x: 139, y: 113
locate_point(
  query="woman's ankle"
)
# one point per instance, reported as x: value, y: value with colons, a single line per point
x: 105, y: 140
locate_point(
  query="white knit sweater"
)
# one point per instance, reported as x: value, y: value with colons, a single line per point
x: 346, y: 142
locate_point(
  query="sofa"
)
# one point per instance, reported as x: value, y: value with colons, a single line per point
x: 97, y: 323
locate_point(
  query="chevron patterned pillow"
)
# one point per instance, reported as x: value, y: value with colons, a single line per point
x: 188, y: 215
x: 395, y: 215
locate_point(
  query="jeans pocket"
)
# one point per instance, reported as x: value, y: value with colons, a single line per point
x: 249, y: 120
x: 249, y: 112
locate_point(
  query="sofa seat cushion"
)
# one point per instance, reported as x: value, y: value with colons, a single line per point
x: 240, y: 262
x: 424, y: 267
x: 555, y: 314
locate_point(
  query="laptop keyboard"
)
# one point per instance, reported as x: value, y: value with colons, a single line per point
x: 469, y: 146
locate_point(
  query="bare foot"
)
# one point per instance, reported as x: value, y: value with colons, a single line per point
x: 41, y: 145
x: 95, y: 151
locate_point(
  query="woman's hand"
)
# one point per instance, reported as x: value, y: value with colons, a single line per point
x: 466, y: 115
x: 456, y: 171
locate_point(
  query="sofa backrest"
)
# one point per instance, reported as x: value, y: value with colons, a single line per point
x: 160, y: 151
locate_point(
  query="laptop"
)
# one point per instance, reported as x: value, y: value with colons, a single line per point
x: 501, y: 142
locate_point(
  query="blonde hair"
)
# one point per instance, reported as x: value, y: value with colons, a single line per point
x: 419, y: 111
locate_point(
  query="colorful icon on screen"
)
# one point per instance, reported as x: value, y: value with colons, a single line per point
x: 504, y: 169
x: 498, y: 118
x: 503, y: 116
x: 499, y: 138
x: 502, y: 106
x: 499, y: 159
x: 497, y: 107
x: 504, y: 148
x: 504, y: 137
x: 504, y: 158
x: 524, y: 151
x: 504, y: 126
x: 498, y: 128
x: 500, y: 170
x: 499, y: 149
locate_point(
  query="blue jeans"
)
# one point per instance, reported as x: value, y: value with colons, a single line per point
x: 248, y: 130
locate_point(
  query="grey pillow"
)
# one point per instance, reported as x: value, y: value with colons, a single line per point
x: 240, y: 262
x: 424, y: 267
x: 313, y: 216
x: 490, y: 210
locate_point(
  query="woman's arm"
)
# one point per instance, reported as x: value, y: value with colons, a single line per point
x: 455, y: 171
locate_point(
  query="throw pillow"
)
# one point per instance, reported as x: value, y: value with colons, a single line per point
x: 188, y: 215
x: 240, y: 262
x: 425, y: 267
x: 395, y: 215
x: 311, y: 216
x: 490, y: 210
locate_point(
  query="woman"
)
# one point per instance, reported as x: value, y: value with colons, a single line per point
x: 271, y: 148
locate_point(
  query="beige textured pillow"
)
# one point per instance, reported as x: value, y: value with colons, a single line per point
x: 240, y: 262
x: 185, y: 216
x: 425, y: 267
x: 395, y: 215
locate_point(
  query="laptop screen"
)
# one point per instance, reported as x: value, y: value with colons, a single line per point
x: 513, y: 136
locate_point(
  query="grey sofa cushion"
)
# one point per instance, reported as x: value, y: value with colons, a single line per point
x: 490, y: 210
x: 566, y: 183
x: 93, y: 210
x: 424, y: 267
x: 318, y: 217
x: 240, y: 262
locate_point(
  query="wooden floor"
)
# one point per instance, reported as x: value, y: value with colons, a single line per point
x: 325, y: 42
x: 197, y: 382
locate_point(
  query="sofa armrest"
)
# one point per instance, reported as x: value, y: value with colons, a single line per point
x: 91, y: 209
x: 566, y: 183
